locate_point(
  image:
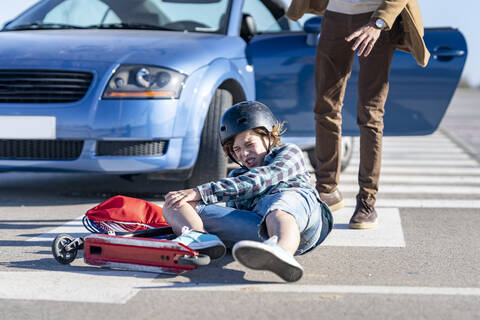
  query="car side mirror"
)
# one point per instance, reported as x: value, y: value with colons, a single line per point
x: 248, y: 28
x: 313, y: 25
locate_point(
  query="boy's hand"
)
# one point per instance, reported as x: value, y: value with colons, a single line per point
x: 176, y: 199
x: 366, y: 36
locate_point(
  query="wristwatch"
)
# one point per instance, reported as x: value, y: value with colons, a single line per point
x: 380, y: 24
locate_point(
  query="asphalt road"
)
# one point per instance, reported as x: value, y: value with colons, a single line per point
x: 421, y: 263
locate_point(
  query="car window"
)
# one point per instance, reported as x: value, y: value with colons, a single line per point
x: 269, y: 16
x: 263, y: 18
x: 81, y: 13
x: 199, y: 15
x: 176, y: 15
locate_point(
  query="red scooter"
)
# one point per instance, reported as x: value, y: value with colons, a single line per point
x: 149, y: 250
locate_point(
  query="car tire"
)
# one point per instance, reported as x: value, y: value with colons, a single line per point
x: 347, y: 151
x: 211, y: 164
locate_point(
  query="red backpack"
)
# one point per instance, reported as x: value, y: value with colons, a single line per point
x: 123, y: 214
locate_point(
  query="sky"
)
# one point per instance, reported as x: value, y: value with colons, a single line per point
x: 436, y: 13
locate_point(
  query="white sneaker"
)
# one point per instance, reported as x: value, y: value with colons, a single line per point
x: 205, y: 243
x: 268, y: 255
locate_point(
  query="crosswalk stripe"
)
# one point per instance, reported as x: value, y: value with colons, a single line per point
x: 420, y: 149
x: 389, y: 232
x: 98, y: 286
x: 422, y: 203
x: 422, y: 162
x: 437, y: 136
x: 389, y: 178
x: 416, y: 143
x: 424, y: 189
x: 74, y: 228
x: 430, y: 170
x: 424, y: 155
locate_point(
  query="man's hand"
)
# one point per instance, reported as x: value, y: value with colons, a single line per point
x: 176, y: 199
x: 366, y: 36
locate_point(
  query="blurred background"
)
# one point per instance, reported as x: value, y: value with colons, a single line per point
x: 436, y: 13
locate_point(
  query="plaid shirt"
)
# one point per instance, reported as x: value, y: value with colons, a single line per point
x: 284, y: 168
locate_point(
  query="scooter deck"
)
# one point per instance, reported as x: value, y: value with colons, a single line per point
x: 137, y: 254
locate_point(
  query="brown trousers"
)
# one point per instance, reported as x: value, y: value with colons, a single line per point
x: 332, y: 69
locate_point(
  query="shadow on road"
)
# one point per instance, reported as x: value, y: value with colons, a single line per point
x: 215, y: 273
x: 50, y: 189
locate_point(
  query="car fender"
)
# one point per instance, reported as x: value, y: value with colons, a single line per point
x: 196, y: 97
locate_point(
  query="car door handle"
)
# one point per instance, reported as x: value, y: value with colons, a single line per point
x: 448, y: 53
x: 445, y: 54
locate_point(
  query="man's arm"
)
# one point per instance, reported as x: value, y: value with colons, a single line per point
x: 367, y: 35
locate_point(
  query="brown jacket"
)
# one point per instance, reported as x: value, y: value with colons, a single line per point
x: 388, y: 12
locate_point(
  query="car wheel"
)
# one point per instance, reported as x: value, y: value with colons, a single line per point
x: 211, y: 162
x: 347, y: 151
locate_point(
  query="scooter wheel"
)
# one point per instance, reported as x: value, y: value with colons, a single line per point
x: 58, y: 249
x: 197, y: 261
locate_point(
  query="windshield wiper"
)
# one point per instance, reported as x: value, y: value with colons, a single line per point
x: 43, y: 26
x: 125, y: 25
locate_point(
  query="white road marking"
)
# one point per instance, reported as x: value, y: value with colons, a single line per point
x: 74, y: 228
x: 422, y: 203
x: 389, y: 232
x: 293, y: 288
x: 424, y: 155
x: 423, y: 189
x: 423, y: 162
x: 437, y: 179
x: 118, y: 287
x: 437, y: 136
x: 438, y: 144
x: 100, y: 286
x: 423, y: 170
x: 387, y: 147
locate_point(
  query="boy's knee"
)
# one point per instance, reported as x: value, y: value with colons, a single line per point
x: 168, y: 211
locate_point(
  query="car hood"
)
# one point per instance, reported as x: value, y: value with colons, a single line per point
x: 181, y: 51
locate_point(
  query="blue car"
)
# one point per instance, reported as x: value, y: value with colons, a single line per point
x: 138, y: 86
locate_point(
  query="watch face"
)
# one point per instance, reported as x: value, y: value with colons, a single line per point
x: 380, y: 23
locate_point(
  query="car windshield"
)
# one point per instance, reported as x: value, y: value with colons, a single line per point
x: 175, y: 15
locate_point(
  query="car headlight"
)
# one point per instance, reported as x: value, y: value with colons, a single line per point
x: 144, y: 82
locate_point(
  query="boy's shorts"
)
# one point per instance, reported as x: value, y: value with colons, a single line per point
x: 232, y: 225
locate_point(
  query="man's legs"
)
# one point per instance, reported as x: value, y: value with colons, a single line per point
x: 372, y: 94
x: 332, y: 70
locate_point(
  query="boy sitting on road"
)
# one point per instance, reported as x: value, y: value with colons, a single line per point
x: 272, y: 210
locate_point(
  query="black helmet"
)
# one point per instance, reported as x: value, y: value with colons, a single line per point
x: 243, y: 116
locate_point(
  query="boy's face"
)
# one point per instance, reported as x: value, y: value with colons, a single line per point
x: 250, y: 148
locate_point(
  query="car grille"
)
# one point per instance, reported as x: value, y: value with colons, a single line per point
x: 40, y: 149
x: 43, y: 86
x: 131, y: 148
